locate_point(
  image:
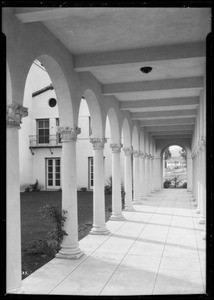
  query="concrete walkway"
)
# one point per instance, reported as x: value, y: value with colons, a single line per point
x: 158, y: 249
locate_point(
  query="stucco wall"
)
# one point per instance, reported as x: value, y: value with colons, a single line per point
x: 32, y: 166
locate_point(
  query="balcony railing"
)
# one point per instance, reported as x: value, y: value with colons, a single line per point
x: 53, y: 140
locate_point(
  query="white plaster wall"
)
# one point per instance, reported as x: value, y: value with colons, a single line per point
x: 85, y: 148
x: 38, y: 108
x: 25, y: 155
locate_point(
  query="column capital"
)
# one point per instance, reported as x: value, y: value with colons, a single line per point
x: 98, y: 143
x: 15, y: 113
x: 68, y: 133
x: 193, y: 154
x: 199, y: 146
x: 203, y: 140
x: 196, y: 151
x: 127, y: 151
x: 116, y: 147
x: 146, y: 155
x: 136, y: 153
x: 142, y: 154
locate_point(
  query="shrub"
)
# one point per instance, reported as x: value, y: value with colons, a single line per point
x: 83, y: 189
x: 184, y: 185
x: 108, y: 186
x: 123, y: 193
x: 176, y: 181
x: 57, y: 216
x: 27, y: 189
x: 166, y: 183
x: 33, y: 187
x: 108, y: 190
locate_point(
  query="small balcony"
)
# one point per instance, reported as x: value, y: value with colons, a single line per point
x: 47, y: 141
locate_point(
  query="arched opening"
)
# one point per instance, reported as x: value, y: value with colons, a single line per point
x: 90, y: 123
x: 174, y: 167
x: 108, y: 162
x: 135, y: 139
x: 112, y: 134
x: 47, y: 97
x: 126, y: 134
x: 128, y: 164
x: 9, y: 86
x: 85, y: 170
x: 127, y: 144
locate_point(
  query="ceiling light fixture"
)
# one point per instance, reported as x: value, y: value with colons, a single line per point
x: 146, y: 70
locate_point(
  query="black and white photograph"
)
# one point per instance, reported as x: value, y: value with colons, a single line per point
x: 107, y: 167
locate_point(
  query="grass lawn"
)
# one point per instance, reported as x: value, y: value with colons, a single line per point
x: 35, y: 227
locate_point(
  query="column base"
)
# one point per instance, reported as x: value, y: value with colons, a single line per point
x: 201, y: 220
x: 198, y: 211
x: 137, y: 202
x: 192, y: 197
x: 148, y: 195
x: 69, y: 253
x: 99, y: 230
x: 129, y: 208
x: 117, y: 217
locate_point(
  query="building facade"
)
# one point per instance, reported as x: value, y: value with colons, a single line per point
x: 40, y: 146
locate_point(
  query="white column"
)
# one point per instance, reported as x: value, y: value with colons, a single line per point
x: 142, y: 177
x: 198, y: 209
x: 116, y: 184
x: 13, y: 223
x: 157, y: 173
x: 70, y: 246
x: 189, y: 174
x: 203, y: 181
x: 136, y: 175
x: 147, y: 173
x: 164, y: 171
x: 193, y: 175
x: 99, y: 226
x: 152, y: 176
x: 128, y: 178
x: 149, y: 176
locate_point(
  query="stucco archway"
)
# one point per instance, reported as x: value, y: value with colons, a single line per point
x: 126, y: 133
x: 185, y: 146
x: 114, y: 125
x: 95, y: 113
x: 135, y: 139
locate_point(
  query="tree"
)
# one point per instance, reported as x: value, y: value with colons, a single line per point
x: 183, y: 153
x: 167, y: 154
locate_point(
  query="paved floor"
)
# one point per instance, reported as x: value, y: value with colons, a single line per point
x: 158, y: 249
